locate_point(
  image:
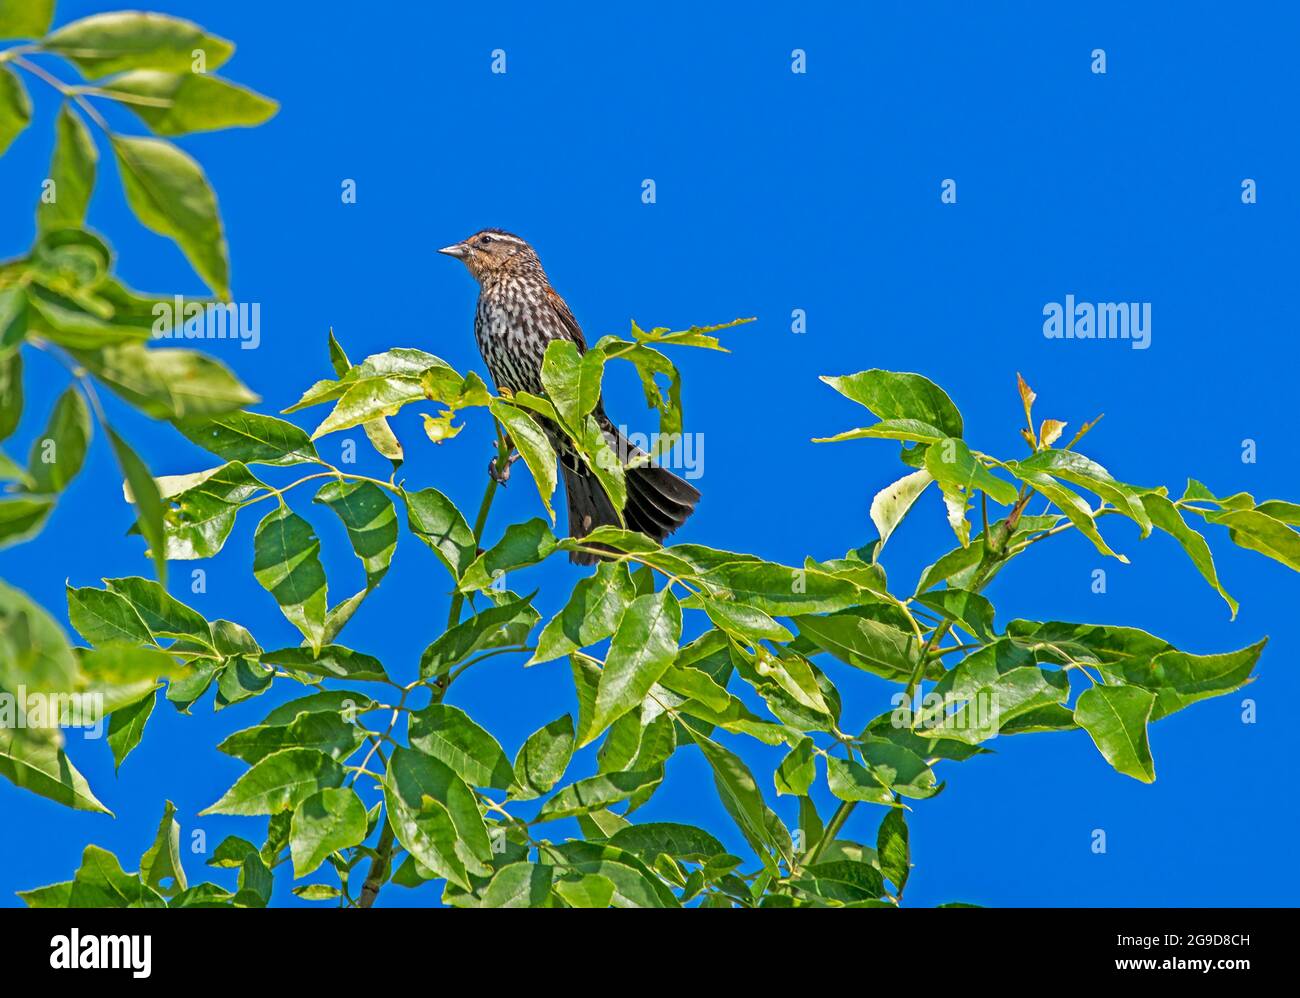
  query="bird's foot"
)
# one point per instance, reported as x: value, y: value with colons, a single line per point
x: 499, y: 474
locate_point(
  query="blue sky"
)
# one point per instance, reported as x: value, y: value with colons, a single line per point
x: 775, y: 192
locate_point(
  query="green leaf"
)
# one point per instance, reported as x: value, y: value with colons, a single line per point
x: 596, y: 793
x: 864, y: 642
x: 744, y: 801
x: 162, y: 614
x: 561, y: 377
x: 971, y: 610
x: 989, y: 688
x: 377, y: 387
x: 1257, y: 531
x: 126, y: 728
x: 896, y: 395
x: 434, y: 519
x: 1072, y: 467
x: 544, y: 757
x: 634, y: 885
x: 181, y: 103
x: 51, y: 896
x: 743, y: 622
x: 1128, y: 655
x: 1069, y: 502
x: 110, y: 43
x: 101, y: 883
x: 316, y: 892
x: 371, y: 521
x: 400, y: 363
x: 21, y: 519
x: 910, y: 430
x: 651, y: 366
x: 324, y: 731
x: 69, y: 264
x: 892, y: 503
x: 26, y: 18
x: 202, y: 512
x: 960, y: 475
x: 103, y: 617
x: 72, y: 174
x: 1053, y: 717
x: 777, y: 590
x: 378, y: 432
x: 447, y: 733
x: 796, y: 772
x: 331, y: 662
x: 184, y: 691
x: 899, y: 769
x: 590, y: 890
x: 847, y: 881
x: 33, y: 649
x: 1116, y: 718
x: 893, y: 848
x: 279, y: 782
x: 1285, y: 512
x: 642, y: 649
x: 851, y: 781
x: 15, y: 107
x: 241, y: 679
x: 248, y: 437
x: 162, y: 860
x: 206, y: 895
x: 286, y: 563
x: 347, y: 703
x: 521, y: 545
x: 599, y: 456
x: 533, y: 446
x: 592, y: 613
x: 1165, y: 515
x: 122, y: 674
x: 435, y: 817
x: 959, y: 565
x: 801, y: 684
x: 322, y: 824
x: 663, y: 838
x: 148, y: 501
x: 507, y: 624
x: 168, y: 382
x: 518, y: 885
x: 170, y: 195
x: 11, y: 368
x: 38, y: 765
x: 253, y: 888
x: 231, y: 853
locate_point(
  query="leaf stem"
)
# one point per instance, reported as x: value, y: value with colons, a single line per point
x: 66, y: 91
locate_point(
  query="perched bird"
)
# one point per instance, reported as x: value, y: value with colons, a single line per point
x: 518, y: 314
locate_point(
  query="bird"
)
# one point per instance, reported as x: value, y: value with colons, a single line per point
x: 518, y: 315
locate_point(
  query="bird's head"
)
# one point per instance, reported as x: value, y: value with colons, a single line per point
x: 493, y: 252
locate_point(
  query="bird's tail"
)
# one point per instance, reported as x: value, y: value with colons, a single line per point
x: 658, y: 502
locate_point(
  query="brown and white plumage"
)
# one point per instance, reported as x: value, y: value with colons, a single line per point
x: 518, y: 315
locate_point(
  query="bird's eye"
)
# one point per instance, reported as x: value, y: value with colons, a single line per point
x: 484, y: 240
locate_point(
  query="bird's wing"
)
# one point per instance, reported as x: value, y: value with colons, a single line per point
x: 570, y: 324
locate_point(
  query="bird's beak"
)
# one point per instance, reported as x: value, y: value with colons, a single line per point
x: 458, y: 250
